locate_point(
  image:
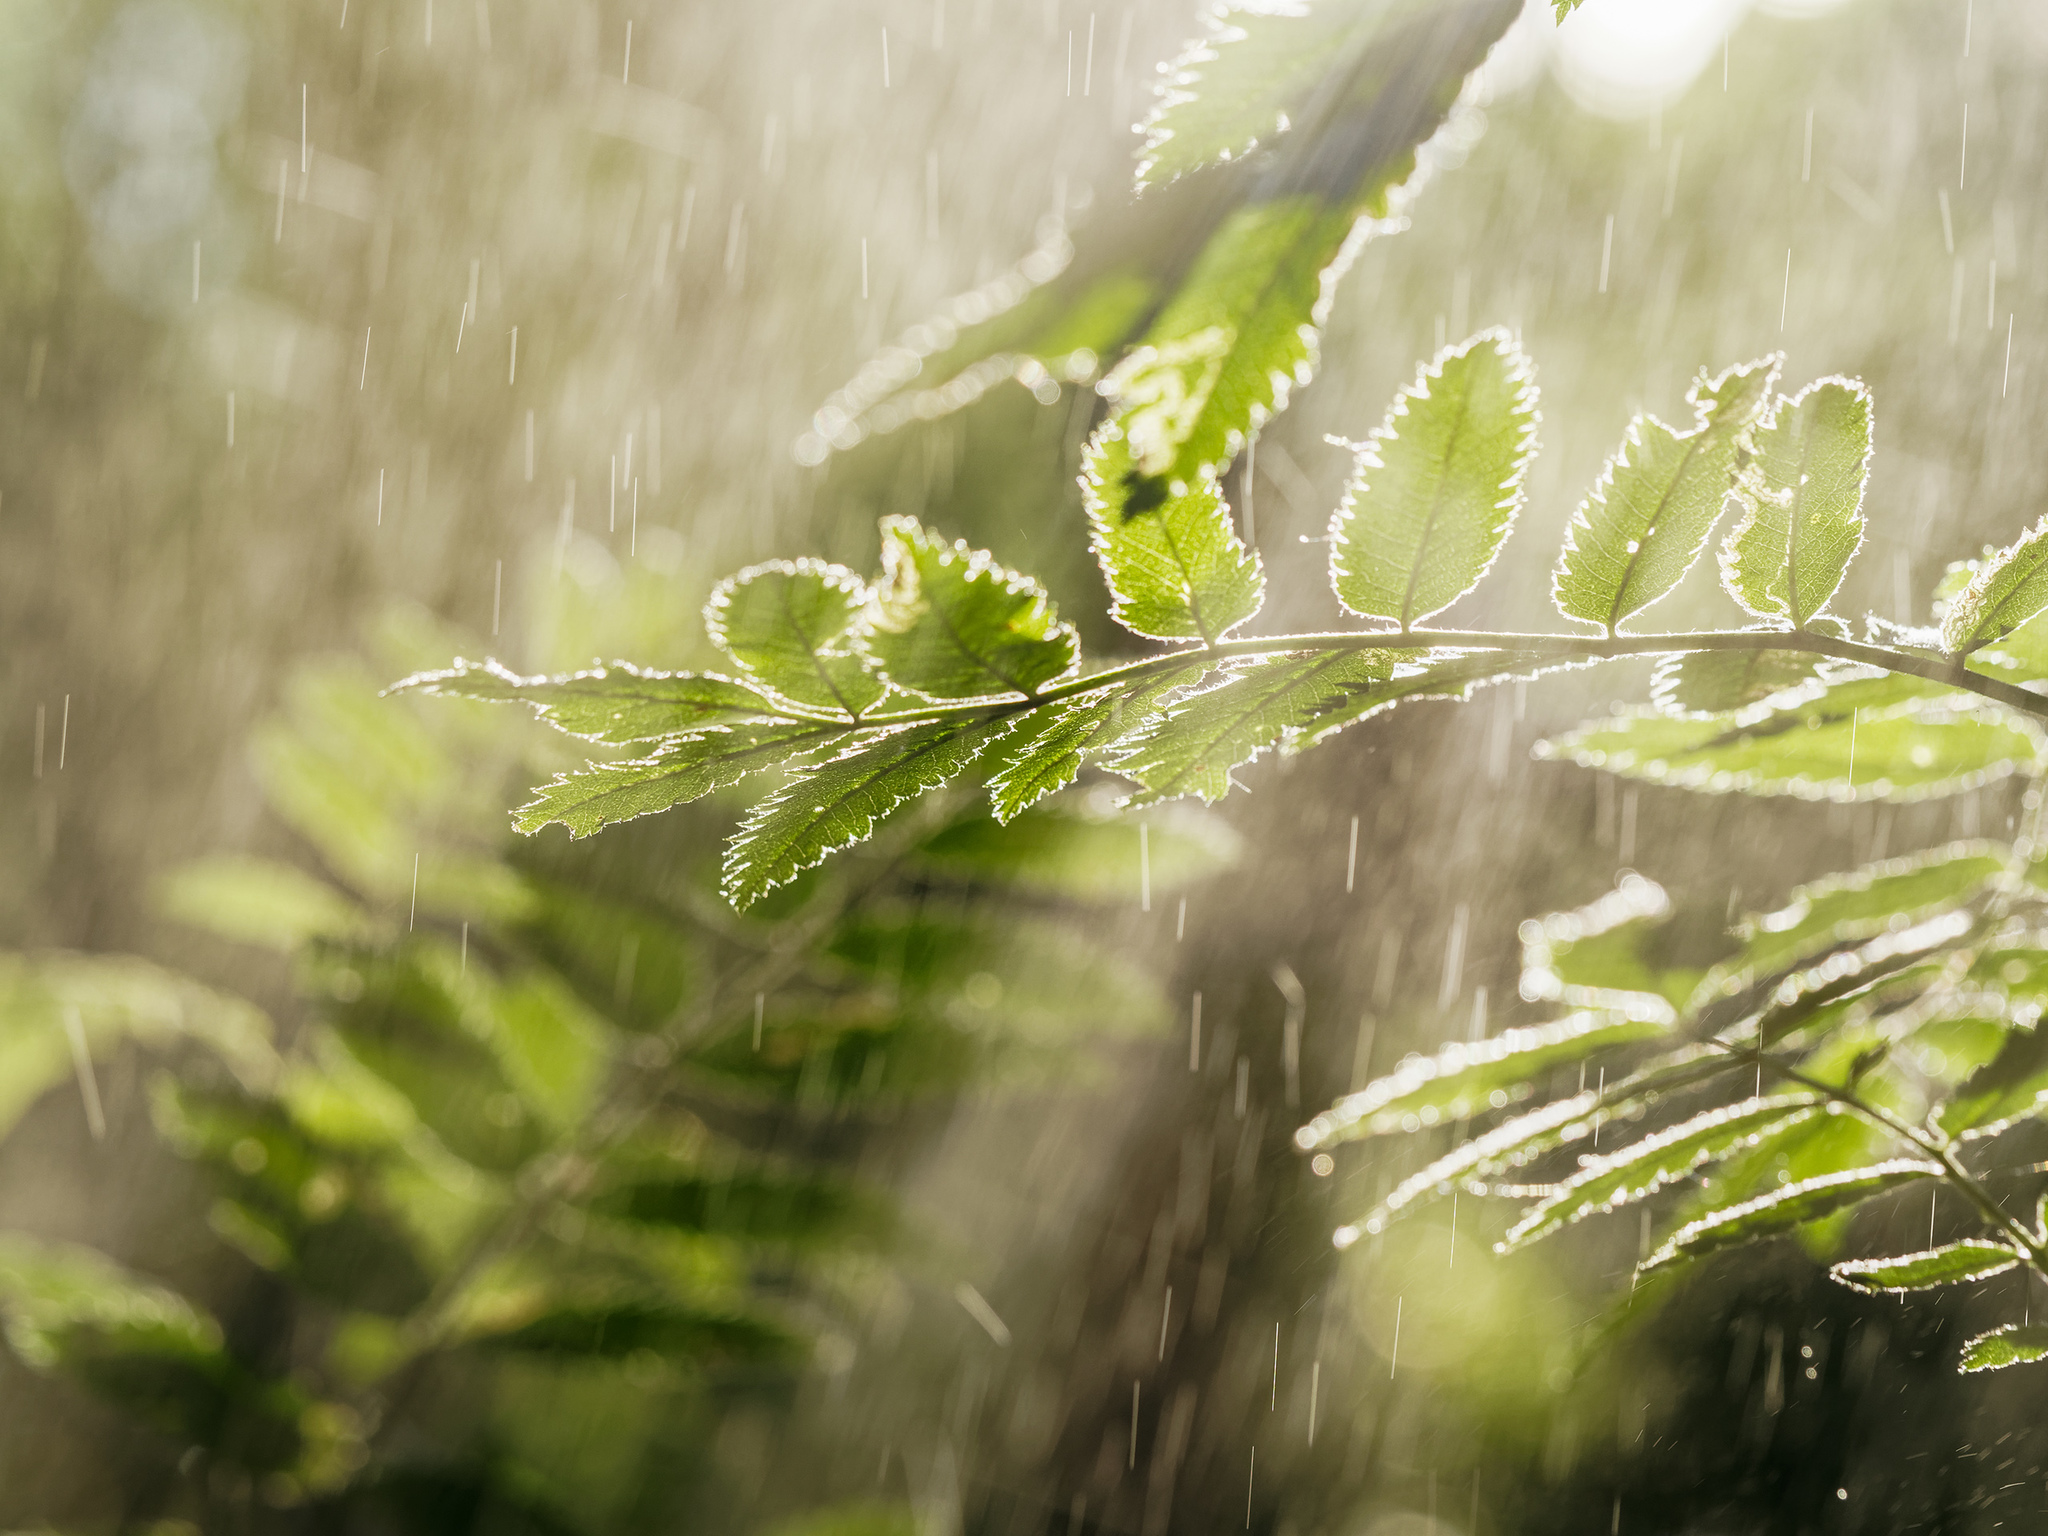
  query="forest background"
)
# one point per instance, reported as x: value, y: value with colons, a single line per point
x: 272, y: 439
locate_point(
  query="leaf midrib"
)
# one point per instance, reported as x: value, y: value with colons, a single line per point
x: 1692, y: 441
x: 1435, y: 505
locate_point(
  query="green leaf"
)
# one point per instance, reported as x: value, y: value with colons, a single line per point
x: 259, y: 901
x: 1697, y: 683
x: 2006, y: 1089
x: 1048, y: 320
x: 1193, y: 747
x: 1802, y: 499
x: 1638, y: 1171
x: 1511, y: 1144
x: 1241, y: 83
x: 1177, y: 570
x: 683, y: 770
x: 1592, y: 957
x: 1463, y: 1080
x: 1851, y: 908
x: 1440, y: 674
x: 1802, y: 998
x: 839, y: 802
x: 753, y: 1205
x: 1952, y: 1264
x: 1566, y: 7
x: 1045, y: 750
x: 1657, y: 500
x: 1786, y: 1208
x: 1436, y: 488
x: 1881, y: 738
x: 792, y: 624
x: 2007, y: 591
x: 48, y: 1001
x: 621, y: 703
x: 2014, y: 1344
x: 949, y: 623
x: 620, y: 1329
x: 1240, y: 331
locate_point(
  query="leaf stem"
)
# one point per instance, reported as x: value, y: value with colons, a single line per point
x: 1953, y: 1172
x: 1525, y: 648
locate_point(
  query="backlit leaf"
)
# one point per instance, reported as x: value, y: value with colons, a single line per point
x: 620, y: 703
x: 1193, y: 747
x: 1882, y: 738
x: 1802, y: 498
x: 1176, y: 570
x: 1951, y: 1264
x: 1715, y: 682
x: 1436, y: 488
x: 1851, y: 908
x: 1786, y: 1208
x: 949, y: 623
x: 2007, y: 590
x: 839, y: 802
x: 788, y: 624
x: 2014, y: 1344
x: 2007, y: 1088
x: 1242, y: 83
x: 1463, y: 1079
x: 1240, y: 330
x: 1510, y: 1144
x: 1641, y: 1169
x: 683, y: 770
x: 1044, y: 751
x: 1592, y: 957
x: 1657, y: 501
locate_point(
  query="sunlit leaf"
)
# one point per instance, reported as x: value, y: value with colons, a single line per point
x: 1786, y: 1208
x: 949, y: 623
x: 1802, y: 499
x: 1949, y: 1265
x: 1592, y: 957
x: 1716, y: 682
x: 1649, y: 516
x: 839, y: 802
x: 2014, y: 1344
x: 1176, y: 570
x: 1242, y: 83
x: 1800, y: 999
x: 621, y: 703
x: 1883, y: 738
x: 2008, y: 1088
x: 682, y: 770
x: 1220, y: 356
x: 1436, y: 488
x: 1850, y: 908
x: 1438, y: 674
x: 1638, y: 1171
x: 1192, y: 748
x: 1463, y: 1080
x: 1511, y: 1144
x: 787, y: 624
x: 1043, y: 752
x: 2007, y: 590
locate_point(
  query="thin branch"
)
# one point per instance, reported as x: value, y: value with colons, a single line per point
x: 1953, y: 1171
x: 1526, y: 648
